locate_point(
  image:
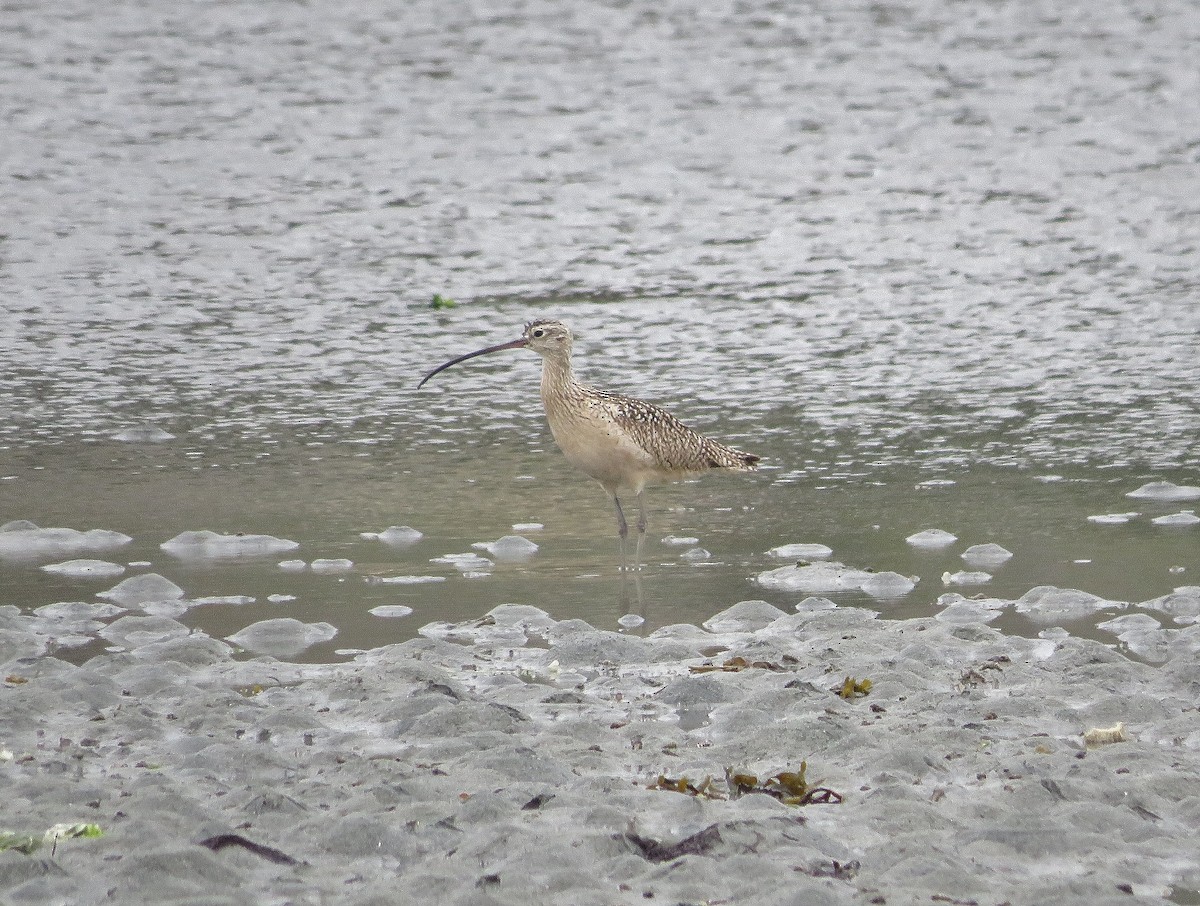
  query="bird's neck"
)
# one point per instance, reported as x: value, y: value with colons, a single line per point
x: 558, y: 380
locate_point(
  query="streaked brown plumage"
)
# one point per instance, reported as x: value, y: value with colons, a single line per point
x: 622, y: 442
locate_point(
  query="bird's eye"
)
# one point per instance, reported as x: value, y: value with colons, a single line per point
x: 538, y: 332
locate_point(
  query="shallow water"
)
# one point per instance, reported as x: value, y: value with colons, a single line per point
x: 881, y: 246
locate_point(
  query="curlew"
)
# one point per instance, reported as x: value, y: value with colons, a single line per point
x: 623, y: 443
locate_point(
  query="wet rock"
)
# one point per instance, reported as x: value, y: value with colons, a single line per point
x: 814, y: 577
x: 888, y: 585
x: 395, y: 535
x: 339, y: 565
x: 1165, y: 492
x: 932, y: 539
x: 85, y: 569
x: 1046, y: 603
x: 510, y: 547
x: 744, y: 616
x: 1182, y: 519
x: 24, y: 540
x: 205, y: 544
x: 138, y: 590
x: 134, y: 631
x: 800, y: 551
x: 282, y: 636
x: 986, y: 555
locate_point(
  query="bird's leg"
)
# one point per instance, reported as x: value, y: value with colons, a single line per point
x: 641, y: 527
x: 622, y: 529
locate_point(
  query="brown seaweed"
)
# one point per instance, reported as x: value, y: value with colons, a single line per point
x: 697, y: 844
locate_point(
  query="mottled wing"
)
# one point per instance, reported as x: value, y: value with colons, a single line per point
x: 675, y: 447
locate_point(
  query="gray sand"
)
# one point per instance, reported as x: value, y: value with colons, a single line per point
x: 510, y: 760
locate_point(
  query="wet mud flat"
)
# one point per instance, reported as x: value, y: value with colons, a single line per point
x: 820, y: 756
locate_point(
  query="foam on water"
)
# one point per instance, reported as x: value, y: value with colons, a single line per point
x: 146, y: 434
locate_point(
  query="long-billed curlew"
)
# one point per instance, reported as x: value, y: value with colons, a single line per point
x: 622, y: 442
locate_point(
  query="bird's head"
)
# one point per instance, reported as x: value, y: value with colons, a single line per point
x: 547, y: 337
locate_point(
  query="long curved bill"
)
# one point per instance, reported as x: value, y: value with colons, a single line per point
x: 515, y: 344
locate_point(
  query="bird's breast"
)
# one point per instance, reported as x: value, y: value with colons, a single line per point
x: 598, y: 446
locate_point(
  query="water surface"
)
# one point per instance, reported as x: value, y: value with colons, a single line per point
x: 938, y: 265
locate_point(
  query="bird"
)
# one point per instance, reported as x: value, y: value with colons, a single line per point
x: 623, y: 443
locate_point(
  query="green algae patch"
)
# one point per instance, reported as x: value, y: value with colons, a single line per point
x: 31, y: 843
